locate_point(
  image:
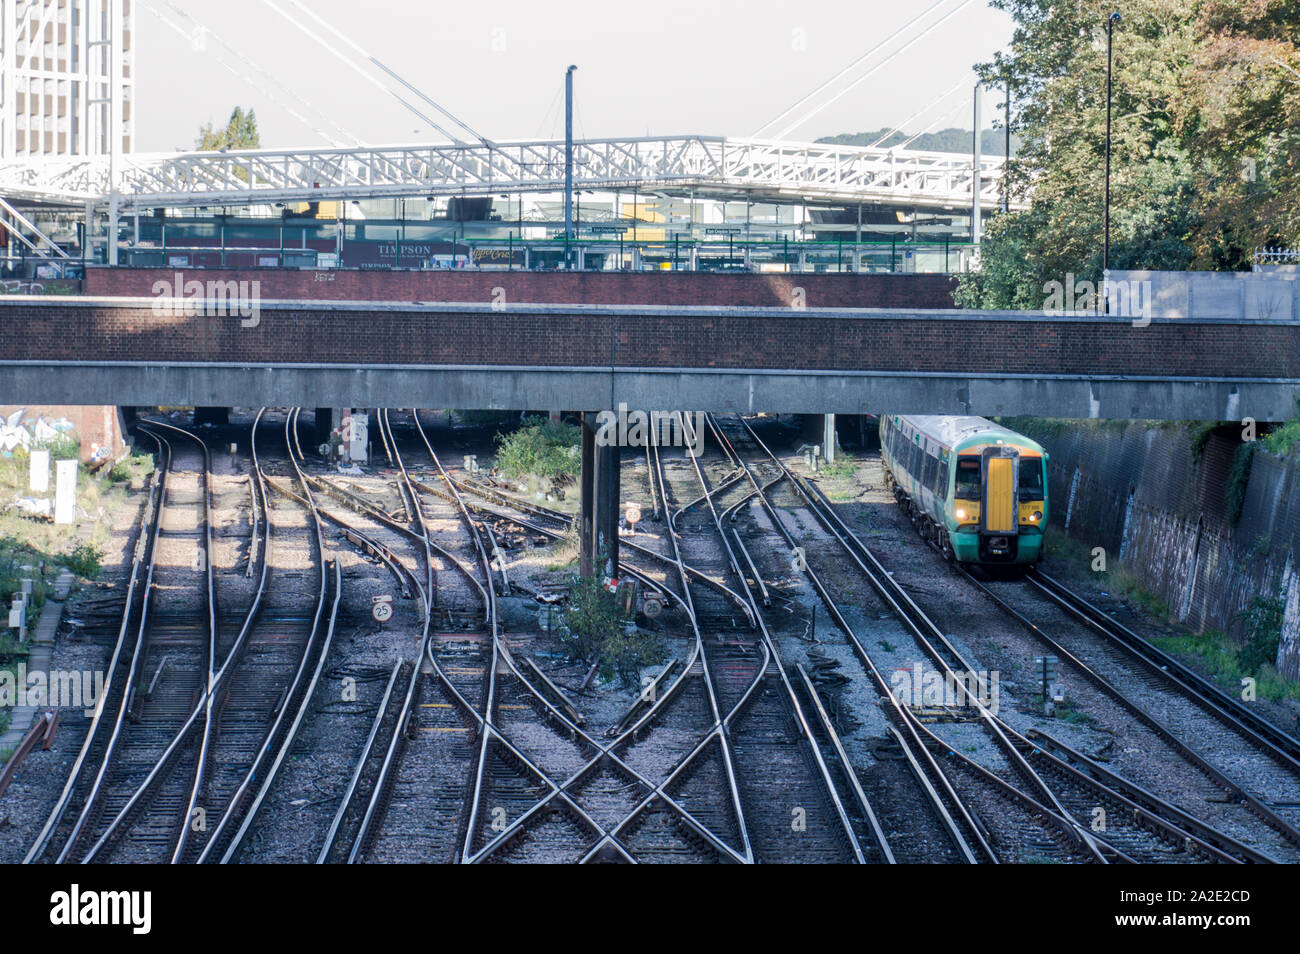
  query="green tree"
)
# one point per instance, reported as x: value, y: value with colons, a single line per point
x: 240, y: 132
x: 1204, y: 140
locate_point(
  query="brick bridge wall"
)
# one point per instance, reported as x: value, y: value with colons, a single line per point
x: 825, y: 290
x: 549, y: 336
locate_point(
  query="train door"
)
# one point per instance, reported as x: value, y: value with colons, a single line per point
x: 999, y: 512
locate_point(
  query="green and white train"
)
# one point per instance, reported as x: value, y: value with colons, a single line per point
x: 977, y: 490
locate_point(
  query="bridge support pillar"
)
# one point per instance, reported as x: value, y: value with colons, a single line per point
x: 598, y: 548
x: 828, y: 438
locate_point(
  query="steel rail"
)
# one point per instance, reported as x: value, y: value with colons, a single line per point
x: 485, y: 720
x: 150, y: 519
x: 901, y: 715
x: 720, y: 723
x: 277, y: 728
x: 393, y: 752
x: 927, y: 633
x: 1238, y: 716
x: 396, y: 742
x: 506, y: 500
x: 791, y: 697
x: 1164, y: 732
x: 228, y: 666
x: 402, y: 574
x: 93, y: 796
x: 395, y: 747
x: 421, y: 537
x: 499, y: 653
x: 1150, y: 803
x: 609, y: 752
x: 354, y: 783
x: 821, y: 508
x: 846, y: 766
x: 924, y: 631
x: 210, y: 603
x: 286, y: 745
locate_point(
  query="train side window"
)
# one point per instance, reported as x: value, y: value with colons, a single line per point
x: 941, y: 484
x: 968, y: 478
x: 927, y: 475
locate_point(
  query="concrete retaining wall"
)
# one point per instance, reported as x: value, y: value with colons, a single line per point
x: 1143, y: 493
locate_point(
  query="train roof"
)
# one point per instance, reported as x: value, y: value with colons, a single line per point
x: 954, y: 432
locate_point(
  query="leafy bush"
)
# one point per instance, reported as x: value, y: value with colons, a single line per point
x: 1280, y: 439
x: 62, y: 447
x: 591, y: 618
x: 84, y: 560
x: 541, y: 448
x: 1263, y: 633
x: 596, y: 633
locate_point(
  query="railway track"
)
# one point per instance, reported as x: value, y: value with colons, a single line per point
x: 1147, y: 833
x: 74, y: 807
x: 143, y: 745
x: 522, y: 806
x: 166, y: 779
x: 736, y: 752
x: 1228, y: 750
x: 796, y: 808
x: 663, y: 753
x: 276, y: 676
x: 149, y: 750
x: 415, y: 810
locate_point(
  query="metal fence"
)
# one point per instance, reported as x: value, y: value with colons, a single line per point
x: 1277, y: 256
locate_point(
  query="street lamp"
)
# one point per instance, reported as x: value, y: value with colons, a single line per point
x: 1006, y: 153
x: 1110, y: 30
x: 568, y: 164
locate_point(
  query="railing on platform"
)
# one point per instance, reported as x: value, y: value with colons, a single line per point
x: 941, y: 257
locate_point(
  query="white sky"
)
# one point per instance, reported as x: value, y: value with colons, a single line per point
x: 717, y: 67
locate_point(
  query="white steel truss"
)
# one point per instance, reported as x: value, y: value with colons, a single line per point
x: 707, y: 166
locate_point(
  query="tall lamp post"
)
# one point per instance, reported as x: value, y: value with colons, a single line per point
x: 1110, y: 31
x: 568, y: 165
x: 1006, y: 153
x: 977, y: 183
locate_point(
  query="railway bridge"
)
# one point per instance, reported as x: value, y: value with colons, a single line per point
x: 498, y: 352
x: 784, y: 344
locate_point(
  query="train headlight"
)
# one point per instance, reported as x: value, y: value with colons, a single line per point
x: 961, y: 513
x: 1036, y: 516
